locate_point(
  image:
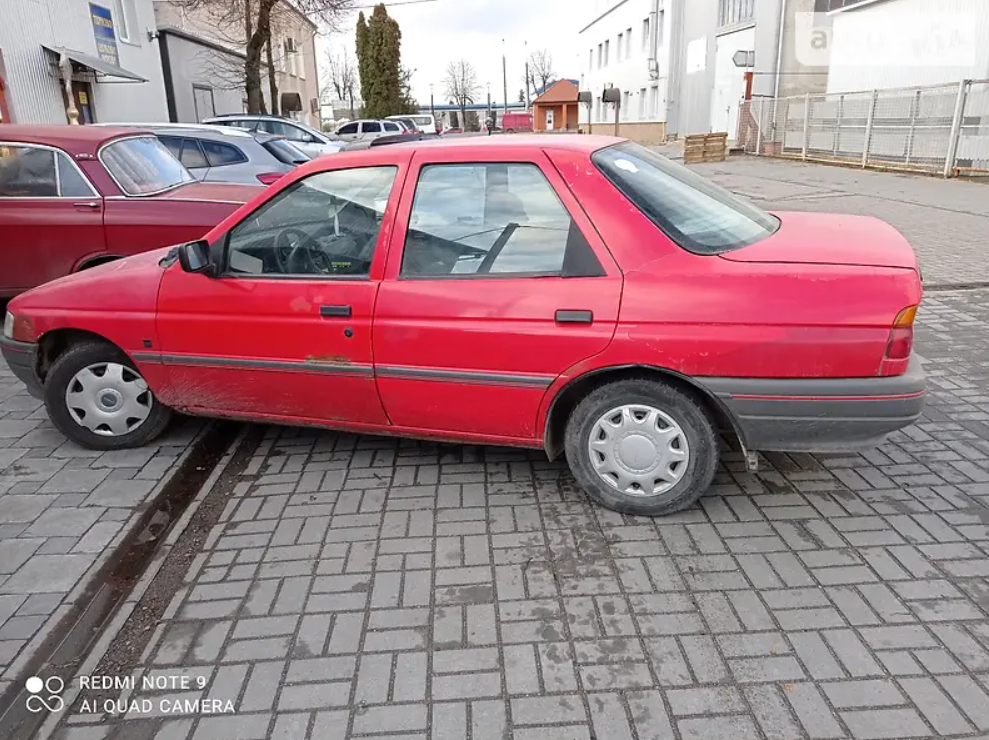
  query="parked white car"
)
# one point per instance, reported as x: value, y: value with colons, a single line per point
x: 368, y: 130
x: 314, y: 143
x: 425, y: 121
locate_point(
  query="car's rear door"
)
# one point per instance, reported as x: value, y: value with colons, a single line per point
x: 370, y: 130
x: 496, y: 284
x: 51, y: 216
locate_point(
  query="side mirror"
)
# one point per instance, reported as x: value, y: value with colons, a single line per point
x: 195, y: 257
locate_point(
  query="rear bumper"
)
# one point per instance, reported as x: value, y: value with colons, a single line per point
x: 821, y: 415
x: 22, y: 359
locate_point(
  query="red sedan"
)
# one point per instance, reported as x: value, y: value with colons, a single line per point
x: 582, y: 295
x: 73, y: 197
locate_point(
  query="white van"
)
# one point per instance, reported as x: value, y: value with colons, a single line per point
x: 425, y: 121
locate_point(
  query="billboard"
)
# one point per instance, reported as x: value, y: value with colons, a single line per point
x: 106, y: 38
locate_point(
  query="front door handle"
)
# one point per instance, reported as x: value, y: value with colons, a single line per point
x: 87, y: 204
x: 335, y: 312
x: 574, y: 317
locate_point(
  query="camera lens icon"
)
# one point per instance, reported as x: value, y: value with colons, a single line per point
x: 45, y: 694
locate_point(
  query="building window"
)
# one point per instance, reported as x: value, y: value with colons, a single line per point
x: 628, y: 43
x: 125, y: 21
x: 626, y: 102
x: 590, y: 60
x: 645, y: 35
x: 642, y: 104
x: 654, y: 102
x: 660, y: 27
x: 600, y: 55
x: 202, y: 100
x: 731, y: 12
x: 607, y: 52
x: 618, y: 51
x: 825, y: 6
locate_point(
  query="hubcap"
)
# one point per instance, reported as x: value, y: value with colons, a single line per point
x: 638, y: 450
x: 108, y: 399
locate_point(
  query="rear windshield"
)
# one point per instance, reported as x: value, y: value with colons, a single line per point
x: 285, y: 152
x: 698, y: 215
x: 142, y: 165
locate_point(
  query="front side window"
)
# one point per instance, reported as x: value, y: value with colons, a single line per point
x: 294, y: 133
x: 187, y: 151
x: 350, y: 128
x: 487, y: 219
x: 326, y: 225
x: 696, y: 214
x: 392, y: 127
x: 33, y: 172
x: 142, y: 165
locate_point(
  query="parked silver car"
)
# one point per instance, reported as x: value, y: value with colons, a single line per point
x: 367, y: 130
x: 225, y: 154
x: 312, y: 142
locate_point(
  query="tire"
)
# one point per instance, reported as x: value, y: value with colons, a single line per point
x: 682, y: 418
x: 64, y: 372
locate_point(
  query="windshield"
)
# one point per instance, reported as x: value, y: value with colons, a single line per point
x: 142, y: 166
x: 285, y: 152
x: 698, y: 215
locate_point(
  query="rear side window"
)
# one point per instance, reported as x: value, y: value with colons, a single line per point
x: 371, y: 127
x: 31, y: 172
x: 221, y: 154
x: 500, y: 219
x: 285, y: 152
x: 391, y: 127
x: 696, y: 214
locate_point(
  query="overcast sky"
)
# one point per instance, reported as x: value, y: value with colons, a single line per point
x: 435, y: 33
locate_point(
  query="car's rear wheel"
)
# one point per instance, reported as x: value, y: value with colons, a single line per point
x: 97, y: 398
x: 641, y: 447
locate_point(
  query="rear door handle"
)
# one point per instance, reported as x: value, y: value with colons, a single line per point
x: 335, y: 312
x: 574, y: 317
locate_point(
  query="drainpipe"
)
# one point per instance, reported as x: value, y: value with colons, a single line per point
x: 779, y: 49
x: 654, y: 40
x: 675, y: 53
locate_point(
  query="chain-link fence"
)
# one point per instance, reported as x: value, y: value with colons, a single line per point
x: 942, y: 129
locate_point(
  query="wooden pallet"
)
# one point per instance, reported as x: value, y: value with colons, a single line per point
x: 705, y: 148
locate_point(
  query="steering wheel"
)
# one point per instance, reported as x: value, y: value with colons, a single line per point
x: 296, y: 252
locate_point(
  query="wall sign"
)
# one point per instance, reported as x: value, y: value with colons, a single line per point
x: 106, y: 38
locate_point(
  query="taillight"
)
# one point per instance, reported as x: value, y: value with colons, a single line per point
x: 900, y: 342
x: 270, y: 177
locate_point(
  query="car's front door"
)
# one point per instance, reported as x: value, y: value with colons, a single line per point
x: 349, y: 131
x: 51, y: 217
x: 496, y: 284
x: 284, y: 331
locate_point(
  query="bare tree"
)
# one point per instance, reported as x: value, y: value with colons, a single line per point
x: 341, y: 68
x: 541, y: 69
x: 247, y: 25
x: 462, y: 85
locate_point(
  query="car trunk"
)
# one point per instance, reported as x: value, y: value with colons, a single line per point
x: 213, y: 191
x: 829, y: 239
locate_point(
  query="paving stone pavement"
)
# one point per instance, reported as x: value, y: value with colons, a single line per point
x: 946, y: 221
x: 62, y: 508
x: 361, y: 587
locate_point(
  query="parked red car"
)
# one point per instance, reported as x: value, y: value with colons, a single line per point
x: 72, y: 197
x: 580, y: 294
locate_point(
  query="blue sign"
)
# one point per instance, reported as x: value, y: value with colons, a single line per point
x: 106, y: 39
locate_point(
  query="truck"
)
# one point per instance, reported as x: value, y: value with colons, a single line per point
x: 512, y: 122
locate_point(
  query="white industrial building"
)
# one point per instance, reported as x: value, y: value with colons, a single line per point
x: 887, y: 44
x: 108, y: 49
x: 673, y: 61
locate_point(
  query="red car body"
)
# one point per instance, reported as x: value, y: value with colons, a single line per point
x: 516, y: 122
x: 43, y: 238
x: 800, y: 341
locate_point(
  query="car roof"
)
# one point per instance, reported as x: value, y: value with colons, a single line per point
x: 76, y: 140
x: 571, y: 142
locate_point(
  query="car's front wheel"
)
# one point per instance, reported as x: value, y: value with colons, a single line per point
x: 641, y: 447
x: 97, y: 398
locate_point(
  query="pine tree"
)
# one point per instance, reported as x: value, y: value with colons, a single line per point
x: 379, y: 59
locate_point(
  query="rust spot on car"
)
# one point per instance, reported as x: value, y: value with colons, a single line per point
x: 329, y: 359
